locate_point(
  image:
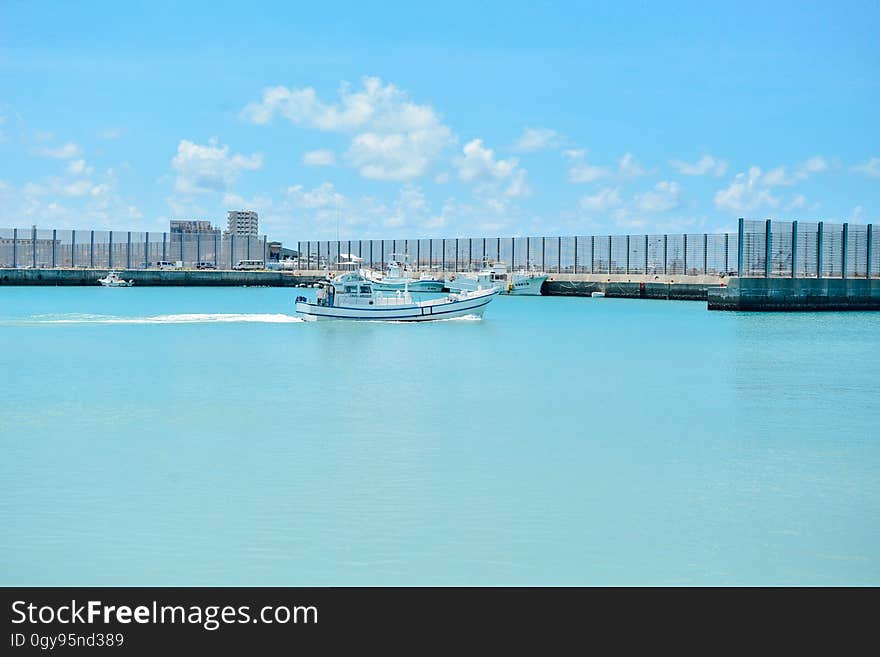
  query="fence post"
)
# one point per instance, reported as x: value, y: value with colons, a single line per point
x: 232, y: 251
x: 592, y: 254
x: 543, y: 253
x: 646, y: 255
x: 820, y: 248
x: 430, y: 254
x: 768, y: 247
x: 198, y: 248
x: 705, y: 253
x: 870, y: 248
x: 665, y: 253
x: 845, y: 250
x: 72, y: 249
x: 609, y: 254
x: 15, y: 248
x: 484, y: 248
x: 470, y: 252
x: 685, y: 256
x: 512, y: 253
x: 575, y: 255
x: 627, y: 254
x: 443, y: 252
x: 92, y: 249
x: 55, y: 233
x: 147, y: 250
x: 128, y: 252
x: 726, y: 253
x: 559, y: 255
x: 164, y: 246
x: 110, y: 251
x: 34, y: 247
x: 794, y: 237
x: 528, y: 251
x: 739, y: 247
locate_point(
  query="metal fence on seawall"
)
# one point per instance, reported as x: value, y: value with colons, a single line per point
x: 800, y: 249
x: 760, y: 248
x: 694, y: 254
x: 101, y: 249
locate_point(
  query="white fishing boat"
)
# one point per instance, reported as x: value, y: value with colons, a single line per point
x: 396, y: 277
x: 112, y: 279
x: 522, y: 282
x: 359, y: 301
x: 347, y: 269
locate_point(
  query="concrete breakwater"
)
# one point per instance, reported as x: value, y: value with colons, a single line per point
x: 789, y: 294
x: 154, y: 277
x: 633, y: 286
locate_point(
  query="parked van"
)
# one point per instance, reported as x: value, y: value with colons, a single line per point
x: 249, y: 264
x: 206, y: 264
x: 164, y: 264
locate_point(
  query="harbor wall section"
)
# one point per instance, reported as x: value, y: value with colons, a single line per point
x: 789, y: 294
x: 152, y: 277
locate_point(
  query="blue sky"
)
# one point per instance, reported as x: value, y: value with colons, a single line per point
x: 376, y: 119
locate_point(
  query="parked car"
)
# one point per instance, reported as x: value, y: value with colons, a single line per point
x: 249, y: 264
x: 205, y: 264
x: 164, y: 264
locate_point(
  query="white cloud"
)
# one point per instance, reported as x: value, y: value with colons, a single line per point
x: 871, y: 168
x: 536, y: 139
x: 109, y: 134
x: 79, y: 167
x: 319, y: 158
x: 393, y: 137
x: 665, y: 196
x: 478, y: 163
x: 586, y: 173
x: 746, y: 194
x: 706, y: 165
x: 582, y: 171
x: 322, y: 196
x: 209, y: 168
x: 65, y: 152
x: 629, y: 167
x: 601, y: 201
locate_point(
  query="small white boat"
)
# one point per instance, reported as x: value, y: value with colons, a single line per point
x: 597, y: 295
x: 396, y: 278
x: 112, y: 279
x: 358, y: 301
x: 522, y: 282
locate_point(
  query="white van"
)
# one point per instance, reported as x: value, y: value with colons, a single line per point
x: 164, y: 264
x: 249, y: 264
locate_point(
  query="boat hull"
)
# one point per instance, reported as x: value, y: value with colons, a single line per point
x: 520, y: 285
x: 425, y: 311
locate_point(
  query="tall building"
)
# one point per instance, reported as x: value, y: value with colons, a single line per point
x: 192, y: 226
x: 242, y: 222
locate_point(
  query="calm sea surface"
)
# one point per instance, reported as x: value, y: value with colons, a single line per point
x: 201, y: 436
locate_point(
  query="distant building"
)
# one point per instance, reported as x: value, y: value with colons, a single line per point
x: 192, y: 226
x: 242, y: 222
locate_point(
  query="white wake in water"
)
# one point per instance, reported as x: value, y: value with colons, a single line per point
x: 188, y: 318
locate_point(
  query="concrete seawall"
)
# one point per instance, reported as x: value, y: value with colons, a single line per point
x: 789, y: 294
x: 633, y: 286
x: 152, y: 277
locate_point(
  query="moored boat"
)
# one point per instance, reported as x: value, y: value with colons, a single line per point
x: 112, y: 279
x: 396, y: 278
x: 522, y: 282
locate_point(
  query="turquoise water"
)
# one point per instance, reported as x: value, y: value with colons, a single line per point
x: 199, y: 436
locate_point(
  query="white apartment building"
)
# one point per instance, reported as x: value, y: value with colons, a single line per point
x: 242, y: 222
